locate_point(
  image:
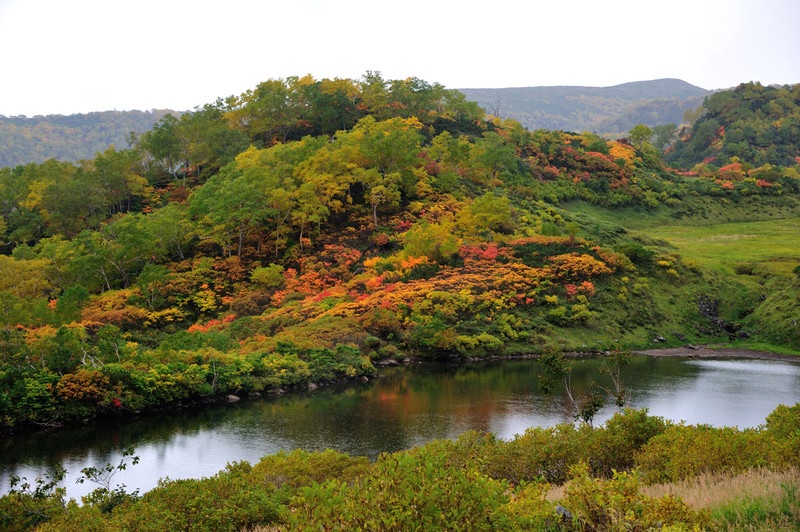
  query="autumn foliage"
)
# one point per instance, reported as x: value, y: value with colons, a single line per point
x: 306, y: 228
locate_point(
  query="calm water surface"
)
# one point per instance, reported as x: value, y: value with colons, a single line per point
x: 404, y: 408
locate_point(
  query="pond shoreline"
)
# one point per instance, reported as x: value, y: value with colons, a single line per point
x: 690, y: 351
x: 707, y: 351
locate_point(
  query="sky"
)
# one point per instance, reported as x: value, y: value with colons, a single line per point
x: 78, y: 56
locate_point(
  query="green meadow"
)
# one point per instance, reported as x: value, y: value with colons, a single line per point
x: 741, y: 247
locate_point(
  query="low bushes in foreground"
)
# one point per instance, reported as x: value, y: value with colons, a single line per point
x: 476, y: 482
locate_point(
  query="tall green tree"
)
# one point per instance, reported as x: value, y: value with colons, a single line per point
x: 639, y: 135
x: 664, y: 135
x: 495, y: 156
x: 117, y: 252
x: 162, y: 150
x: 384, y: 155
x: 112, y: 172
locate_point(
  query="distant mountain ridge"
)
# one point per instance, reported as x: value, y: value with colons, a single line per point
x: 609, y: 111
x: 25, y: 140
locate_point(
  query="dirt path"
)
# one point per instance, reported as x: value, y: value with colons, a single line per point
x: 700, y: 351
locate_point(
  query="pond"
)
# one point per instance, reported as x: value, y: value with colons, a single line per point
x: 403, y: 408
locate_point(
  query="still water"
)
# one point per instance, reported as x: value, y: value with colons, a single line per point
x: 403, y: 408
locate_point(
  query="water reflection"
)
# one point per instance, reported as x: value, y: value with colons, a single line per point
x: 723, y: 392
x: 404, y: 408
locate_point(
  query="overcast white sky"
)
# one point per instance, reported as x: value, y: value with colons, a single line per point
x: 73, y: 56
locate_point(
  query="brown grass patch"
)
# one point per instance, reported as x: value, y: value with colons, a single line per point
x: 711, y: 491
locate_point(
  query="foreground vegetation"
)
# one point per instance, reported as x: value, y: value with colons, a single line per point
x: 626, y: 475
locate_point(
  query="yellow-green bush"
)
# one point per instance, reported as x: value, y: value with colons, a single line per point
x: 600, y: 505
x: 405, y: 491
x: 686, y: 451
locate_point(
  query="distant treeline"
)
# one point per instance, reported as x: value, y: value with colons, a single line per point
x: 75, y: 137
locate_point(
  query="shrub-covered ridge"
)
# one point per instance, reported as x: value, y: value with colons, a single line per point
x: 302, y: 230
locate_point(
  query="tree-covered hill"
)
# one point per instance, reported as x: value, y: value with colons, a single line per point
x: 26, y: 140
x: 755, y: 124
x: 307, y: 228
x: 607, y: 111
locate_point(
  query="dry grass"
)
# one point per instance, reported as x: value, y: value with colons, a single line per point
x: 713, y: 491
x: 756, y: 500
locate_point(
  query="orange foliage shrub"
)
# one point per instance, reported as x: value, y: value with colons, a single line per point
x: 112, y: 308
x: 622, y: 151
x: 198, y: 327
x: 84, y: 386
x: 574, y: 265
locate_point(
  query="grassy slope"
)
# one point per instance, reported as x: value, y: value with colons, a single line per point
x: 749, y: 250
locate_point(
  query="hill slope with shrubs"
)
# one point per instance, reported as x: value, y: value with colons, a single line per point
x: 750, y: 124
x: 308, y: 228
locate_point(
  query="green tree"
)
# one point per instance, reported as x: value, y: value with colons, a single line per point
x: 162, y: 148
x: 173, y: 228
x: 640, y: 135
x: 485, y: 216
x: 228, y: 205
x: 151, y: 282
x: 664, y: 135
x: 70, y: 303
x: 269, y: 277
x: 437, y: 241
x: 267, y: 113
x: 25, y: 279
x: 385, y: 154
x: 208, y: 143
x: 494, y: 156
x: 451, y: 153
x: 118, y: 251
x: 112, y: 172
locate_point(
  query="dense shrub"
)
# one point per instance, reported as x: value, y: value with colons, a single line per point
x: 686, y: 451
x: 405, y: 491
x: 546, y: 453
x: 301, y: 468
x: 229, y: 501
x: 549, y: 453
x: 599, y: 505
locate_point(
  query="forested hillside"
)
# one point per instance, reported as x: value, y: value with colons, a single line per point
x: 607, y: 111
x: 26, y: 140
x: 750, y: 124
x: 306, y: 229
